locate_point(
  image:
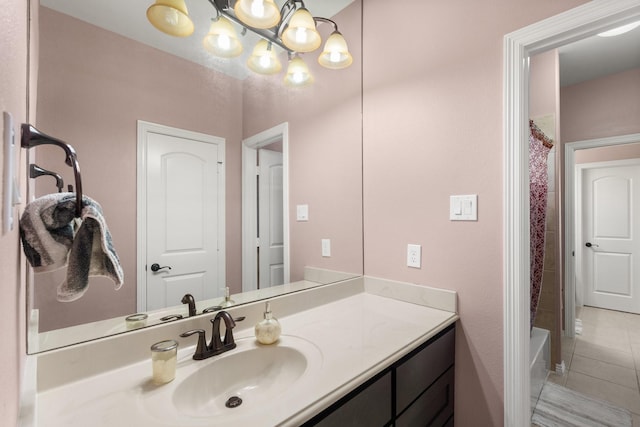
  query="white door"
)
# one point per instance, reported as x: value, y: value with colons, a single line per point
x: 609, y: 248
x: 270, y: 219
x: 184, y: 217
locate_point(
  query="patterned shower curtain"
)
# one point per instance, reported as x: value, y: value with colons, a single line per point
x: 539, y: 147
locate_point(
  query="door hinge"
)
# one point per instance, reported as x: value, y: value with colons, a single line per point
x: 257, y: 170
x: 257, y: 243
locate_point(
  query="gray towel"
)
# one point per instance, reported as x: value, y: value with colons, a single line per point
x: 53, y: 238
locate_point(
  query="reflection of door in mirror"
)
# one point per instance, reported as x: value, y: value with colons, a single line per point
x: 270, y: 219
x: 181, y: 203
x: 265, y: 219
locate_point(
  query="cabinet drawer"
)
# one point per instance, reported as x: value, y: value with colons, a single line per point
x: 434, y: 407
x: 369, y: 408
x: 420, y: 371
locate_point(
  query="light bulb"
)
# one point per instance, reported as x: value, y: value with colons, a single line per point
x: 257, y: 8
x: 265, y: 61
x: 257, y: 13
x: 301, y: 35
x: 171, y: 17
x: 335, y: 56
x: 224, y: 42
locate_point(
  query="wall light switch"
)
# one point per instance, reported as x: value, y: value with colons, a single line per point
x: 463, y: 208
x: 302, y: 212
x: 326, y: 247
x: 414, y: 255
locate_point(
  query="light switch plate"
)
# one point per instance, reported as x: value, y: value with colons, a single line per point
x: 302, y: 212
x: 463, y: 208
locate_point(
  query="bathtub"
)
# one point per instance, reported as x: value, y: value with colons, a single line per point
x: 539, y: 356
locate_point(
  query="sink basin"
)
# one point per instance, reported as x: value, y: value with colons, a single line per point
x: 237, y: 383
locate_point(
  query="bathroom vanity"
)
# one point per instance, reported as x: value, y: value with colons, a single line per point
x: 361, y: 352
x: 416, y: 390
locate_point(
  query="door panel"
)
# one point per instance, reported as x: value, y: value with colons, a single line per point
x: 183, y: 216
x: 270, y: 219
x: 610, y: 206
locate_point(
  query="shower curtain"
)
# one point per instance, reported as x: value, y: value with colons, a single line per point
x: 539, y: 147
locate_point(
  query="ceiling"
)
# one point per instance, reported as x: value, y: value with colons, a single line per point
x: 599, y: 56
x: 580, y: 61
x: 128, y: 18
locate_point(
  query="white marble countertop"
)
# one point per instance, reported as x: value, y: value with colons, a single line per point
x: 358, y: 336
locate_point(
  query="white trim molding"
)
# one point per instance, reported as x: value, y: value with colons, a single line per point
x: 567, y: 27
x: 249, y: 203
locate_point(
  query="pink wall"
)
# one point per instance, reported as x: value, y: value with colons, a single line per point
x: 602, y: 107
x: 138, y: 83
x: 606, y: 154
x: 13, y: 99
x: 433, y: 128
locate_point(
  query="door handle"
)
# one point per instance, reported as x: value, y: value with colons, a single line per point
x: 156, y: 267
x: 589, y: 244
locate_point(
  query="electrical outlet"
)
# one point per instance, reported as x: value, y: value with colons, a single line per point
x: 414, y: 255
x: 326, y: 247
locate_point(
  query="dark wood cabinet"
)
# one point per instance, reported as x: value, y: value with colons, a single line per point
x: 415, y: 391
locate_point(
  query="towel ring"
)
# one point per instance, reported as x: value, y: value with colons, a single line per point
x: 32, y: 137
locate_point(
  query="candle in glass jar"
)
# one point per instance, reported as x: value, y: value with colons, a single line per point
x: 163, y: 359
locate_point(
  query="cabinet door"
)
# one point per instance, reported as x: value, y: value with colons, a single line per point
x: 434, y: 407
x: 416, y: 374
x: 369, y: 408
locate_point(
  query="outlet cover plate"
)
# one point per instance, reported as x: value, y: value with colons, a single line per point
x: 414, y: 255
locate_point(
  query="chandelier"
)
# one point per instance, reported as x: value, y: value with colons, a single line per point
x: 291, y: 28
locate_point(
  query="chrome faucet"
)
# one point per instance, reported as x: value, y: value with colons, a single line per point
x: 188, y: 299
x: 218, y: 345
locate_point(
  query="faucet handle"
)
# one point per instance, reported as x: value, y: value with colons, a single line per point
x: 201, y: 347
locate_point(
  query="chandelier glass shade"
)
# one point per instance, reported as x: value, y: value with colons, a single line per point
x: 301, y: 34
x: 298, y: 73
x: 171, y: 17
x: 336, y: 53
x: 258, y: 13
x: 222, y: 39
x: 263, y: 59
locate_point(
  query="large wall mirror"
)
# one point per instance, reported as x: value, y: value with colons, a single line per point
x: 112, y: 86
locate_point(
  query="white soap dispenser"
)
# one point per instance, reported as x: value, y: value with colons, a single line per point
x: 268, y: 330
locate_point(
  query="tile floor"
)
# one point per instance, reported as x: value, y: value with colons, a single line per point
x: 604, y: 361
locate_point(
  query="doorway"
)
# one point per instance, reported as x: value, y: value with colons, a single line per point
x: 608, y: 198
x: 181, y: 203
x: 265, y: 209
x: 555, y: 31
x: 572, y: 237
